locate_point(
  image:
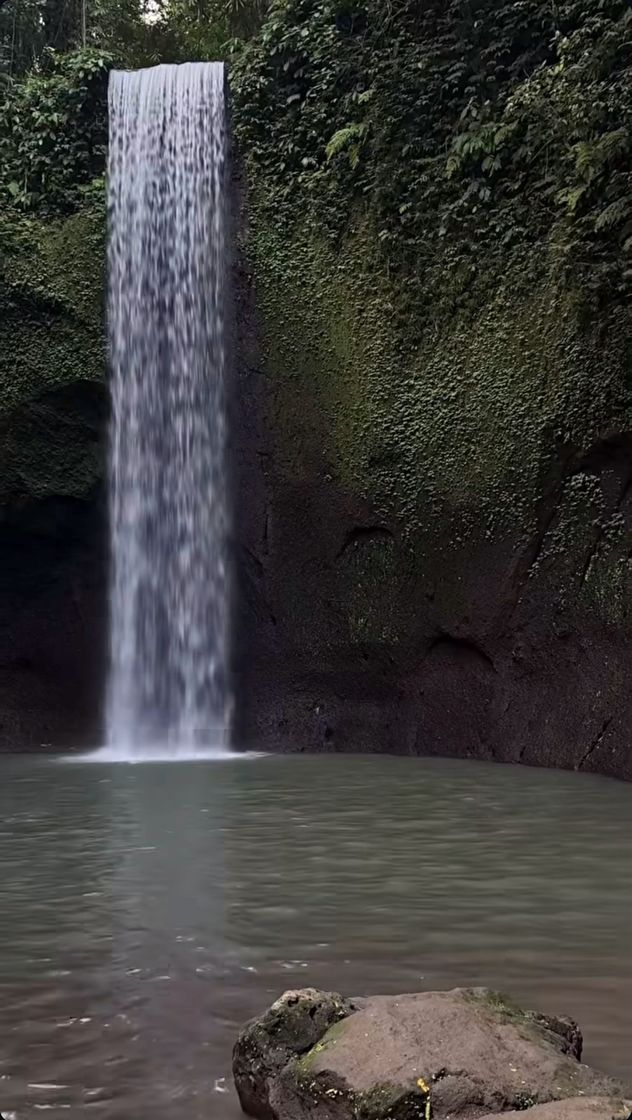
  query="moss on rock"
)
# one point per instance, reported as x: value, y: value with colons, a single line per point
x: 52, y: 355
x: 445, y: 333
x: 462, y: 1053
x: 452, y: 436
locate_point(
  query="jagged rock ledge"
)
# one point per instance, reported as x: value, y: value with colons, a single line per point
x: 466, y: 1053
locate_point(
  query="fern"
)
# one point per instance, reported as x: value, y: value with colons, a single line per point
x: 613, y: 214
x: 614, y: 144
x: 453, y: 165
x: 348, y: 140
x: 593, y: 157
x: 586, y: 160
x: 570, y: 198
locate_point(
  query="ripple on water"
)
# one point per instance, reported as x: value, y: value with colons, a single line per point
x: 148, y: 911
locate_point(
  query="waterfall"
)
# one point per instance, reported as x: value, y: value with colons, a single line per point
x: 168, y: 689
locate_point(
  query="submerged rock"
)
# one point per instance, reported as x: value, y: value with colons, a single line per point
x: 468, y: 1052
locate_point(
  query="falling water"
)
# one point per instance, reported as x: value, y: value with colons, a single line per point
x: 168, y: 687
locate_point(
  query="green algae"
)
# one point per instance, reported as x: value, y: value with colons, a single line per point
x: 450, y: 427
x: 52, y: 355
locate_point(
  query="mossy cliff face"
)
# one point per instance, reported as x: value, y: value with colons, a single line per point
x: 438, y: 559
x: 431, y: 420
x: 53, y: 405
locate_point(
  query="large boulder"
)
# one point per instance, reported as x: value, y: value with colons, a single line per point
x: 578, y: 1108
x: 468, y: 1052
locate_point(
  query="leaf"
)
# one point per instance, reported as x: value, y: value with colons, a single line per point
x: 570, y: 198
x: 613, y: 214
x: 345, y: 138
x: 452, y: 166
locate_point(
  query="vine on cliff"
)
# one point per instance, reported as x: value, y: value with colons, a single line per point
x: 463, y: 133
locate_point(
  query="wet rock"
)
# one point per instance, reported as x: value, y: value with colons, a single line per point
x: 290, y: 1027
x: 54, y: 406
x: 583, y: 1108
x: 469, y: 1051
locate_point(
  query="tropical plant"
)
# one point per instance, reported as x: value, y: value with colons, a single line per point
x: 53, y: 132
x: 463, y: 133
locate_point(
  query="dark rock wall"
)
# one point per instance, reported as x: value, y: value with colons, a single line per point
x: 53, y: 410
x: 52, y: 625
x: 436, y: 553
x: 438, y: 540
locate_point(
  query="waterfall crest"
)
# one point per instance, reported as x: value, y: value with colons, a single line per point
x: 168, y: 687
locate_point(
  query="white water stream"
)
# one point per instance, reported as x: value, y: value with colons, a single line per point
x: 168, y: 690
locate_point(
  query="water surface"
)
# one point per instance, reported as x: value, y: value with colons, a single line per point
x: 147, y: 911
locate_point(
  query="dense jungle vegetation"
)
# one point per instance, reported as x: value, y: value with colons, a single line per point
x: 439, y: 249
x: 455, y: 127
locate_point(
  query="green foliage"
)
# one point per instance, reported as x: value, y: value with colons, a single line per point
x: 53, y: 133
x: 199, y: 30
x: 52, y: 354
x: 469, y: 136
x: 347, y: 140
x: 30, y: 28
x: 53, y: 101
x: 22, y: 37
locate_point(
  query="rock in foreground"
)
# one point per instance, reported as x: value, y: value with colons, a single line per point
x: 577, y: 1108
x: 316, y: 1055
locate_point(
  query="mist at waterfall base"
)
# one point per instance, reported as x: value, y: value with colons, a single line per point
x: 168, y: 694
